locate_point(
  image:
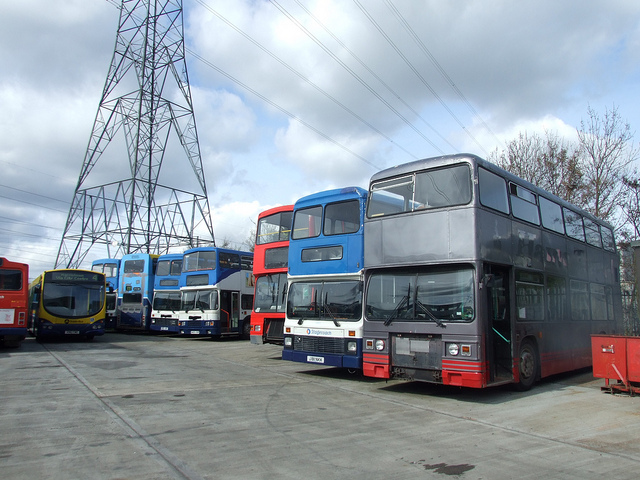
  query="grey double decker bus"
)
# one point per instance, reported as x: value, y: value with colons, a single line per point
x: 475, y: 277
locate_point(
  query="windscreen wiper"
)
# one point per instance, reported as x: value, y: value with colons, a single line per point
x: 401, y: 303
x: 326, y: 310
x: 428, y: 312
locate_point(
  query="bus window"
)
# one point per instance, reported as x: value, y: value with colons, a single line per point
x: 579, y: 300
x: 524, y: 205
x: 306, y: 223
x: 551, y: 214
x: 341, y: 218
x: 557, y: 298
x: 573, y: 224
x: 443, y: 187
x: 529, y: 296
x: 389, y: 197
x: 493, y: 191
x: 592, y: 231
x: 607, y: 239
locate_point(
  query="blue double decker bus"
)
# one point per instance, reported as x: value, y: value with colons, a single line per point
x: 323, y: 322
x: 166, y: 294
x: 135, y: 292
x: 217, y: 292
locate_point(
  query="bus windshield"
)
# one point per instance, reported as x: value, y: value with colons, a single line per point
x: 73, y: 300
x: 166, y: 300
x: 199, y: 300
x: 271, y: 291
x: 330, y: 301
x: 434, y: 188
x: 434, y: 295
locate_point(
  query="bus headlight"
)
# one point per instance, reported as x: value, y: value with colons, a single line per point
x: 352, y: 347
x: 380, y: 345
x: 453, y: 349
x: 288, y: 341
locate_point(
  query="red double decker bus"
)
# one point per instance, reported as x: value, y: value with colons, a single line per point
x: 270, y: 263
x: 14, y: 300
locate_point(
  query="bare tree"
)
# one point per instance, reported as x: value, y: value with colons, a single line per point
x: 549, y: 162
x: 607, y: 151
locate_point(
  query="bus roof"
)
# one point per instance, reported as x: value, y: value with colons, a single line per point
x: 444, y: 160
x: 271, y: 211
x: 329, y: 195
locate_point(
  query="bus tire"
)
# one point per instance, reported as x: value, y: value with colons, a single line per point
x: 246, y: 329
x: 36, y: 331
x: 528, y: 365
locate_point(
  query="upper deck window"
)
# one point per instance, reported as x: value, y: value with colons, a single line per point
x: 592, y: 231
x: 573, y: 224
x: 134, y: 266
x: 169, y: 267
x: 607, y: 239
x: 493, y: 191
x: 229, y: 260
x: 342, y: 217
x: 524, y: 204
x: 200, y: 260
x: 551, y: 215
x: 274, y: 228
x: 435, y: 188
x: 307, y: 222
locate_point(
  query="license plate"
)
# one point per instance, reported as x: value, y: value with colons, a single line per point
x: 313, y: 359
x: 195, y: 332
x: 164, y: 328
x: 72, y: 332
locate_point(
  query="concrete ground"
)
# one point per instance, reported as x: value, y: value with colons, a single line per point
x: 132, y: 406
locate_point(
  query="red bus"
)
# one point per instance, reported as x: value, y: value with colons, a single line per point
x: 270, y: 263
x: 14, y: 300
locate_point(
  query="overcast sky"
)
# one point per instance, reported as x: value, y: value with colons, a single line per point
x: 351, y: 87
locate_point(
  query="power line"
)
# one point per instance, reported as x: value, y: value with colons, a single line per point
x: 352, y: 73
x: 281, y: 109
x: 376, y: 76
x: 303, y: 78
x: 435, y: 62
x: 418, y: 74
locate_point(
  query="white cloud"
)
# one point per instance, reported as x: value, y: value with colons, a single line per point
x: 522, y: 65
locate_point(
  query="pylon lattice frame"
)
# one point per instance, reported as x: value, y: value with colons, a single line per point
x: 138, y: 214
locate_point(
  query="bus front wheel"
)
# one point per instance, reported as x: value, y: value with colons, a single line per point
x: 528, y: 365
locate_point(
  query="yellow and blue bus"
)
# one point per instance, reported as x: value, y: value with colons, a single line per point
x: 67, y: 302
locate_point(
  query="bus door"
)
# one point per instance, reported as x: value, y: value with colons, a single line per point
x: 499, y: 326
x: 235, y: 310
x: 229, y: 310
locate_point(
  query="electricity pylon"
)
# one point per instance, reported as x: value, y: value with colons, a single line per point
x: 145, y: 114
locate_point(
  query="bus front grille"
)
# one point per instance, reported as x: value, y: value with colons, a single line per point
x: 319, y: 344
